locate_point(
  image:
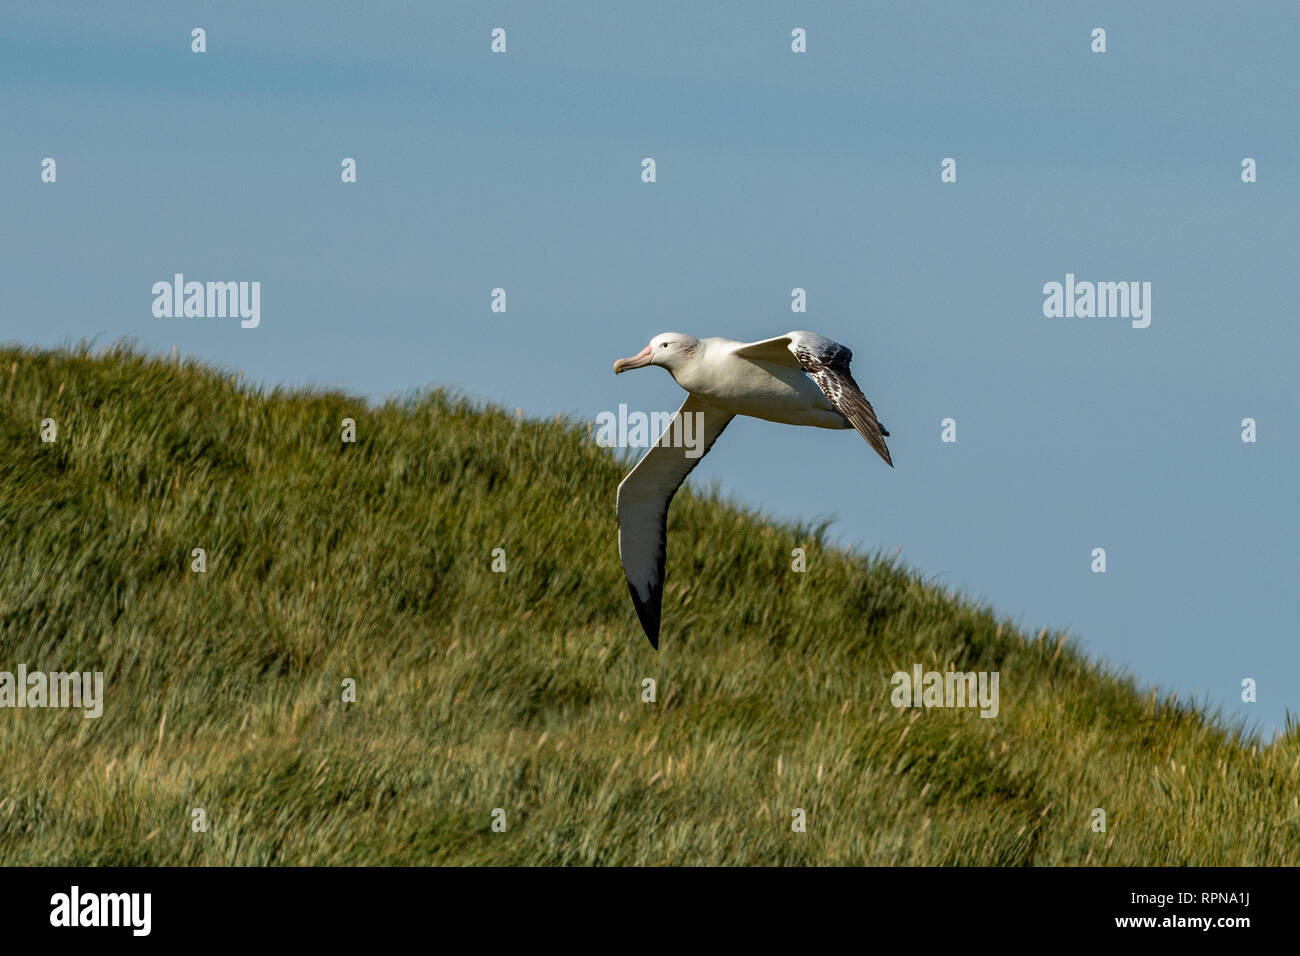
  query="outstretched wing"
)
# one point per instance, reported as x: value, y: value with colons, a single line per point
x: 827, y: 363
x: 644, y: 496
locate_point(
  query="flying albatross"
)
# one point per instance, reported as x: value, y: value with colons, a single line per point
x: 773, y: 380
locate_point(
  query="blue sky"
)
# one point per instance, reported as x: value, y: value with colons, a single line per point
x: 775, y: 170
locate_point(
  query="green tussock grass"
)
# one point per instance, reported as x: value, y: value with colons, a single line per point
x: 522, y: 691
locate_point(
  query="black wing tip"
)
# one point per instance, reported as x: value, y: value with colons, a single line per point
x: 649, y: 612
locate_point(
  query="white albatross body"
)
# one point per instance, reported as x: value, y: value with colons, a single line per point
x: 800, y: 378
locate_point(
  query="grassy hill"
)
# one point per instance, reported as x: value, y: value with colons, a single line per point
x: 521, y: 690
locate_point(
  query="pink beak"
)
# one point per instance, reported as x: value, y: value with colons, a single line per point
x: 639, y: 360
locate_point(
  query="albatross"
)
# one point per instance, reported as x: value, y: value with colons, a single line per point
x: 800, y: 378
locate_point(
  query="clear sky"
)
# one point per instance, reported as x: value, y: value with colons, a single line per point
x: 775, y: 170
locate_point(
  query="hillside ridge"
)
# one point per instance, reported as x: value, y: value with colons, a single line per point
x: 519, y: 696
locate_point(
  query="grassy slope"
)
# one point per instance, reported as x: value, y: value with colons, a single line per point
x: 520, y: 690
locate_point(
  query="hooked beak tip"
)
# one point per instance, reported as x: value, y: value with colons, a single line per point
x: 639, y: 360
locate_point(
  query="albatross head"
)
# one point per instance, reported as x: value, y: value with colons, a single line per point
x: 667, y: 349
